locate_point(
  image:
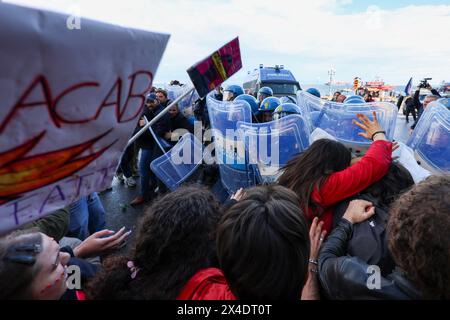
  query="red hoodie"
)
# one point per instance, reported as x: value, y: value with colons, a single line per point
x: 207, y: 284
x: 348, y: 182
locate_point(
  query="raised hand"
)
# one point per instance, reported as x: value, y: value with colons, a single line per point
x: 373, y: 130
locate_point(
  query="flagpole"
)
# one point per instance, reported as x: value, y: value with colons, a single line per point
x: 159, y: 115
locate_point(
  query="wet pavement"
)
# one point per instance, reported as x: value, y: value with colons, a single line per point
x: 118, y: 211
x: 116, y: 201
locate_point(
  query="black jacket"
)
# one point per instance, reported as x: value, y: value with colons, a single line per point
x: 419, y: 105
x: 180, y: 122
x: 368, y: 240
x: 88, y: 271
x: 346, y: 277
x: 146, y: 141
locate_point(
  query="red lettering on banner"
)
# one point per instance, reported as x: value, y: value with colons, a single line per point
x: 21, y: 104
x: 139, y: 95
x: 118, y: 88
x: 51, y: 104
x: 64, y: 93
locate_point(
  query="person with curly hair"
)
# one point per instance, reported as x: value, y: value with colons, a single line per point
x: 175, y: 240
x: 418, y: 241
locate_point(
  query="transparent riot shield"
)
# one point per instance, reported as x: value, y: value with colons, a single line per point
x: 177, y: 165
x: 336, y: 119
x: 186, y: 104
x: 235, y: 171
x: 445, y: 102
x: 431, y: 138
x: 272, y: 144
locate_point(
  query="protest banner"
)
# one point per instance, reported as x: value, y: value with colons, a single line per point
x: 209, y: 73
x: 69, y: 101
x: 206, y: 75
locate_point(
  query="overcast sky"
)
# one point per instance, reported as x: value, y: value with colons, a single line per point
x: 393, y: 40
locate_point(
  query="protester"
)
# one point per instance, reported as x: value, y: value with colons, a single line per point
x: 162, y: 97
x: 149, y: 148
x: 336, y: 95
x: 421, y: 107
x: 178, y: 121
x: 34, y: 267
x: 126, y: 167
x: 263, y: 248
x: 175, y: 240
x: 418, y: 240
x: 368, y: 240
x: 322, y: 175
x: 341, y: 98
x: 410, y: 109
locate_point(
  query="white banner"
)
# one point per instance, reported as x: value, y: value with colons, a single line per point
x: 69, y: 101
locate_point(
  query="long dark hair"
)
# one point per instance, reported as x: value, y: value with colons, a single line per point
x: 308, y: 170
x: 263, y: 245
x: 175, y: 240
x: 396, y: 181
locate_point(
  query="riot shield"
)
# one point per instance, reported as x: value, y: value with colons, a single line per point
x: 177, y: 165
x: 336, y: 119
x: 229, y: 148
x: 186, y: 104
x: 272, y: 144
x: 431, y: 138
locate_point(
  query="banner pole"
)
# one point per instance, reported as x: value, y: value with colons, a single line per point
x: 159, y: 115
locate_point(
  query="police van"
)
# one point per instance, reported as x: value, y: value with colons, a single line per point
x: 282, y: 81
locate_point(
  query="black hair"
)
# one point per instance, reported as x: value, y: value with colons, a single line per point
x: 396, y: 181
x: 263, y: 245
x: 308, y: 170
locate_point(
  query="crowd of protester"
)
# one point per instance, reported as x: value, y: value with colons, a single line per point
x: 330, y: 227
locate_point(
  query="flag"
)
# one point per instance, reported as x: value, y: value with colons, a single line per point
x: 408, y: 87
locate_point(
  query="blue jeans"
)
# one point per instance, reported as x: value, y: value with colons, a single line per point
x: 87, y: 216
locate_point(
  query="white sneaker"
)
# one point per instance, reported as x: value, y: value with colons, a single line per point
x: 130, y: 182
x: 120, y: 177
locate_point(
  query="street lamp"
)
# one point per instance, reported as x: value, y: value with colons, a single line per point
x: 331, y: 73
